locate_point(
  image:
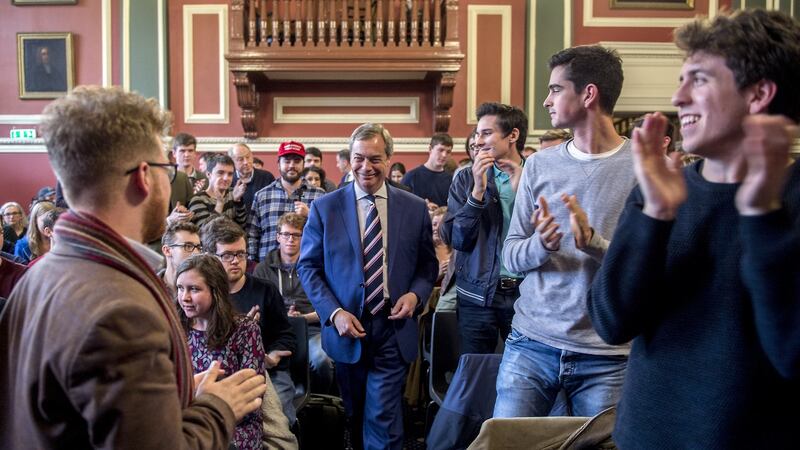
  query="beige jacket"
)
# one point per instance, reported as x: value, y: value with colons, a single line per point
x: 85, y: 362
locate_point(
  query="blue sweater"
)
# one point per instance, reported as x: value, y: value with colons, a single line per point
x: 712, y: 303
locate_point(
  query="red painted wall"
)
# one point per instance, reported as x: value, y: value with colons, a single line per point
x: 21, y: 174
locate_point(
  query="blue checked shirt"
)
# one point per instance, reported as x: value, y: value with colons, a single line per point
x: 269, y: 204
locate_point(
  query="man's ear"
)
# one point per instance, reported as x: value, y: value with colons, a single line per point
x: 166, y: 250
x: 591, y: 95
x: 759, y: 96
x: 513, y: 136
x: 141, y: 180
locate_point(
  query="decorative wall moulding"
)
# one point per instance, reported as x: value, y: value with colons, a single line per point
x: 652, y: 4
x: 281, y: 104
x: 20, y: 119
x: 43, y: 2
x: 473, y: 13
x: 651, y: 75
x: 189, y: 114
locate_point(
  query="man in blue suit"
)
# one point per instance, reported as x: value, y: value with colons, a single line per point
x: 367, y: 264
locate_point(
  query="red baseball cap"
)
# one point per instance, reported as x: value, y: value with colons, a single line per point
x: 292, y: 148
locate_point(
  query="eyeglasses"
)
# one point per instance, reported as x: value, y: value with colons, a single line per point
x: 171, y: 169
x: 188, y: 247
x: 12, y: 214
x: 228, y: 256
x: 287, y: 235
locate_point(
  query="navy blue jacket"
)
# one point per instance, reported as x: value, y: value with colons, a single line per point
x: 331, y: 265
x: 475, y: 229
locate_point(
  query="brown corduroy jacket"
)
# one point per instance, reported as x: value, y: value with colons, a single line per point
x: 86, y: 362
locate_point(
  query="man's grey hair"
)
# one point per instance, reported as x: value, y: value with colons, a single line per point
x: 238, y: 144
x: 370, y: 130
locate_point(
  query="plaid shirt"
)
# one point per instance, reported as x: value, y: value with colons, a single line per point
x: 269, y: 205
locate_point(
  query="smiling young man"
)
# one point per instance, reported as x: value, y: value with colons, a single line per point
x: 558, y: 246
x: 257, y: 298
x: 289, y: 193
x: 367, y: 264
x: 431, y: 181
x: 705, y: 276
x: 479, y: 212
x: 219, y: 199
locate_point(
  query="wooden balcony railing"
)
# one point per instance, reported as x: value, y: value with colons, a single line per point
x: 370, y: 38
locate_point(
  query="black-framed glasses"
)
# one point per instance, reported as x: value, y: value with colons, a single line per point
x: 172, y: 169
x: 228, y: 256
x: 12, y: 214
x: 188, y: 247
x: 287, y: 235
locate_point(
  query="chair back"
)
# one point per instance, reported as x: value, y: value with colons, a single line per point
x: 299, y: 368
x: 445, y: 350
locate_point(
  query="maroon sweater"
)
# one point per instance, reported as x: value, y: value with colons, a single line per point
x: 10, y: 273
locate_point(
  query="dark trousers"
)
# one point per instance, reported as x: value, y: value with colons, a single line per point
x: 372, y: 388
x: 480, y: 327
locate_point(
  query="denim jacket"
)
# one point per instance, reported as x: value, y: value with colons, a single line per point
x: 475, y: 229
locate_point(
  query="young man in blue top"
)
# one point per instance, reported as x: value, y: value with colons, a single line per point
x: 478, y: 216
x: 558, y: 245
x: 431, y: 181
x: 704, y: 273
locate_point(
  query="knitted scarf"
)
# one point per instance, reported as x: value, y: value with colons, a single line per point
x: 95, y: 241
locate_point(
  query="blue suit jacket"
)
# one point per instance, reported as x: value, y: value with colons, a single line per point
x: 331, y: 264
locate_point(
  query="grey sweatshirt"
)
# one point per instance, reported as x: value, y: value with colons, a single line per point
x: 552, y: 305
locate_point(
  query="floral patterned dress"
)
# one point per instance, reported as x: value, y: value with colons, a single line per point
x: 243, y: 350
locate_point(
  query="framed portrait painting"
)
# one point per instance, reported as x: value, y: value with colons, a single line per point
x: 45, y: 64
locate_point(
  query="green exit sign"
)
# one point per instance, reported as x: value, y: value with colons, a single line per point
x: 23, y: 133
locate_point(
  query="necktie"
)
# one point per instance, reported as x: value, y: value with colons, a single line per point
x: 373, y: 259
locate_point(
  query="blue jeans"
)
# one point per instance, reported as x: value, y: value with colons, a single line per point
x: 284, y: 387
x: 481, y: 326
x: 531, y: 375
x: 322, y: 375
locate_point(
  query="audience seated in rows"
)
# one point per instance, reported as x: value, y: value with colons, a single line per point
x: 256, y: 298
x: 218, y: 335
x: 280, y: 269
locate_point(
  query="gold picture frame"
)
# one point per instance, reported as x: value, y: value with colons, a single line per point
x: 652, y: 4
x: 45, y: 65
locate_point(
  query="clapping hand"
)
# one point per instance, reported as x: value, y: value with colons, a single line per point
x: 578, y: 221
x: 544, y: 224
x: 660, y: 180
x: 766, y: 151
